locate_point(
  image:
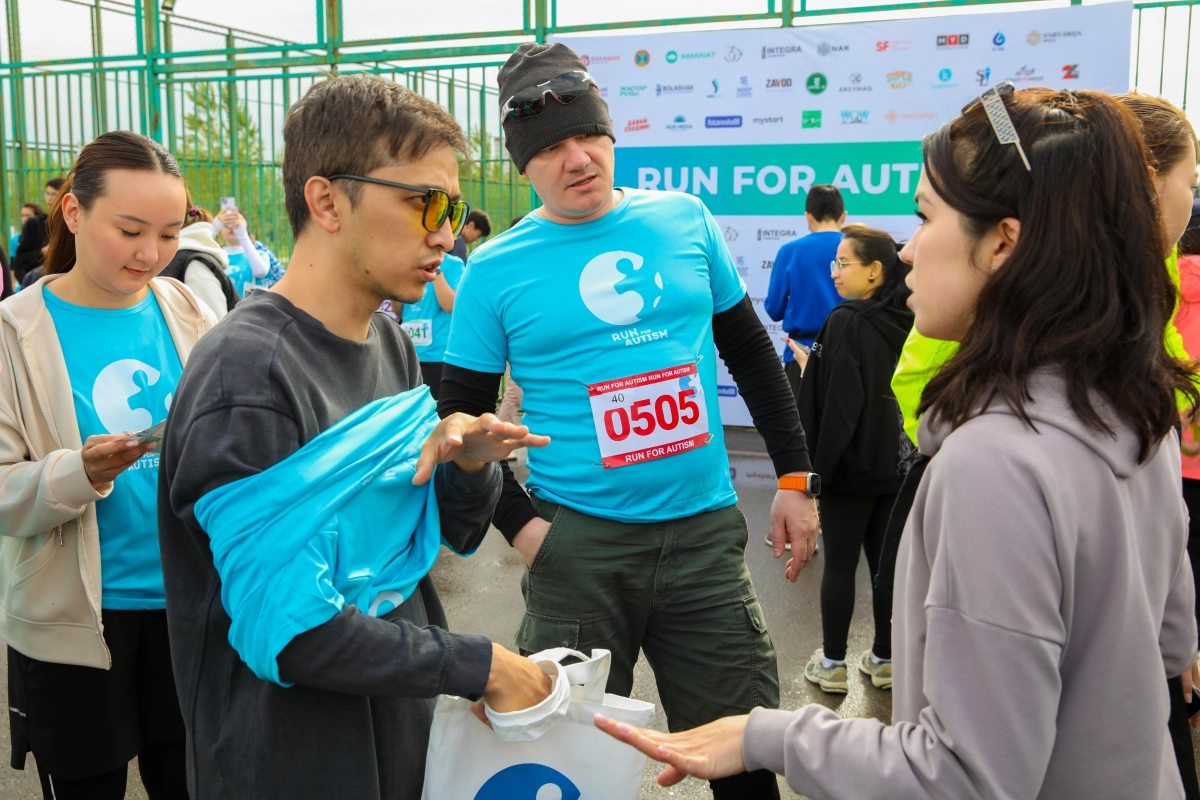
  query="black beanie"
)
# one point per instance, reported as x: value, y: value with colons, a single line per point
x: 531, y: 65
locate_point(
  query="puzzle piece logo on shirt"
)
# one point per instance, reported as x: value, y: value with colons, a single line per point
x: 607, y: 287
x: 528, y: 782
x: 122, y: 398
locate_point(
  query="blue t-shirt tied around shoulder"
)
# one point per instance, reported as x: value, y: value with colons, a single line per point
x: 239, y: 272
x: 801, y: 293
x: 426, y: 322
x: 339, y: 521
x: 577, y: 308
x: 124, y: 368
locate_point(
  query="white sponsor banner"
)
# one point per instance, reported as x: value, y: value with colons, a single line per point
x: 750, y: 119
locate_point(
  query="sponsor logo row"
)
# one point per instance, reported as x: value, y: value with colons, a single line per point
x: 818, y: 83
x: 999, y: 41
x: 808, y: 120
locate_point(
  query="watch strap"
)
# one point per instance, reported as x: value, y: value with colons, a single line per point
x: 798, y: 483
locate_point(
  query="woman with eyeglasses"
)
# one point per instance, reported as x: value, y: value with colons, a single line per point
x: 852, y: 425
x: 1043, y: 588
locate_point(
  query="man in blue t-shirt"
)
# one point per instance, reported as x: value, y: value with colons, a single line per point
x: 802, y: 292
x: 427, y: 322
x: 611, y: 306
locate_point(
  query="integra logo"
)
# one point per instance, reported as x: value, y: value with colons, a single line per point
x: 780, y: 52
x: 775, y: 234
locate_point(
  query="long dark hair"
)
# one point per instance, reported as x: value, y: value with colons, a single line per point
x: 871, y: 245
x: 108, y: 151
x: 1085, y: 289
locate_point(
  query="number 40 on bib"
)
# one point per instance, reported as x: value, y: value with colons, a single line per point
x: 649, y: 416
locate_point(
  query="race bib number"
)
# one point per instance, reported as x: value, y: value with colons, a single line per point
x: 419, y: 330
x: 649, y: 416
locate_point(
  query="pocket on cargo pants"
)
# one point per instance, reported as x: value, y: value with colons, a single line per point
x: 539, y: 631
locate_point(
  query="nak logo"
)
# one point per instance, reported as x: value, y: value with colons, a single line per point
x: 733, y: 54
x: 1070, y: 72
x: 528, y: 781
x: 641, y: 58
x: 825, y: 48
x: 855, y: 117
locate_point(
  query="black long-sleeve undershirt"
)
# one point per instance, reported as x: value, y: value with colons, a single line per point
x: 745, y: 347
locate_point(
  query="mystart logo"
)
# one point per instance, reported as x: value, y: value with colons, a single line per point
x: 635, y: 125
x: 633, y: 91
x: 733, y: 54
x: 825, y: 48
x: 810, y: 119
x: 779, y: 84
x: 900, y: 79
x: 780, y: 52
x: 723, y: 122
x: 641, y: 58
x: 891, y: 45
x: 856, y: 117
x: 775, y: 234
x: 767, y: 120
x: 954, y: 40
x: 816, y: 83
x: 1070, y: 72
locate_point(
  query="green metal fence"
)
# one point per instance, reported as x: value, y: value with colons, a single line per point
x: 217, y: 95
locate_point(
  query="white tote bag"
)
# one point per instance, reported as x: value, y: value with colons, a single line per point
x: 553, y: 751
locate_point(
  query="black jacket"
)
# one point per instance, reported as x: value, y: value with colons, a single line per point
x: 184, y: 258
x: 849, y: 413
x: 34, y: 236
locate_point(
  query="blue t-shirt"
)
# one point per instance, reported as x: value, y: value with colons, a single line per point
x: 801, y: 292
x: 123, y: 368
x: 239, y: 272
x: 577, y: 308
x: 426, y: 322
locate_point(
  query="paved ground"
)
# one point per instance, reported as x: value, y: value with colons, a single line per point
x: 482, y: 595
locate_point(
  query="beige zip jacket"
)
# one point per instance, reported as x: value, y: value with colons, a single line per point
x: 49, y: 540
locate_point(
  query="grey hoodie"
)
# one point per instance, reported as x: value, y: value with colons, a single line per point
x: 1043, y: 595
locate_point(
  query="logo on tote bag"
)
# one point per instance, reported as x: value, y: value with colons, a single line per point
x: 528, y: 782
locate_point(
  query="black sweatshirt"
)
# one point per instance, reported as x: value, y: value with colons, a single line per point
x: 745, y: 347
x: 263, y: 383
x: 846, y: 399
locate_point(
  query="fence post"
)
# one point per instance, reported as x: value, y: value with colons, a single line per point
x: 12, y: 17
x: 231, y: 107
x: 333, y: 32
x: 788, y: 9
x: 99, y: 83
x: 146, y: 12
x: 539, y: 9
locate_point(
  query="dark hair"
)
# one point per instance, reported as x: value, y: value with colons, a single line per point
x: 37, y: 208
x: 355, y: 124
x: 108, y: 151
x: 1189, y: 243
x: 825, y: 203
x: 871, y: 245
x: 1165, y: 130
x: 55, y: 183
x: 481, y: 221
x: 515, y: 220
x: 1084, y: 289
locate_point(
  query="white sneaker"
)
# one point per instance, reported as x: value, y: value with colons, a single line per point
x: 771, y: 543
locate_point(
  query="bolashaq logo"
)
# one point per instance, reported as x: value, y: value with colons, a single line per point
x: 900, y: 79
x: 856, y: 84
x: 744, y: 90
x: 781, y: 51
x: 858, y: 117
x: 825, y: 48
x: 673, y: 88
x: 723, y: 122
x: 633, y: 91
x: 810, y: 119
x: 635, y: 125
x: 680, y: 123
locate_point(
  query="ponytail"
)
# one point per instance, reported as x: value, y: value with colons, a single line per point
x: 871, y: 245
x: 86, y: 181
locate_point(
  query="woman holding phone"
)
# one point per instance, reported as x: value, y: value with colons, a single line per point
x: 1045, y: 552
x: 92, y: 353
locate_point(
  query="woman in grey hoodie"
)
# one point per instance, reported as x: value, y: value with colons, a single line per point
x: 1043, y: 591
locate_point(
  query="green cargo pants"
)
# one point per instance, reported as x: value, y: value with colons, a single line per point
x: 678, y: 590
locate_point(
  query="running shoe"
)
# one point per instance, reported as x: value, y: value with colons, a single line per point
x: 832, y: 680
x: 788, y: 546
x: 880, y: 672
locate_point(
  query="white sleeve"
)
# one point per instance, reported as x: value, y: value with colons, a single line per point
x: 206, y: 287
x: 258, y: 265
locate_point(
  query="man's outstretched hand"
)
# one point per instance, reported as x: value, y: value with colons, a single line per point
x: 470, y: 442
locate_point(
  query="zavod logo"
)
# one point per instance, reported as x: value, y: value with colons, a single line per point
x: 528, y: 782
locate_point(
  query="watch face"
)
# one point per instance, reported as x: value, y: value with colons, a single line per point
x: 814, y: 484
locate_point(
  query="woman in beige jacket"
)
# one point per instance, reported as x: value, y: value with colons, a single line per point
x: 89, y: 354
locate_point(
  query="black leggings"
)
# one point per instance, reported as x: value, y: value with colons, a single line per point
x: 161, y: 766
x: 851, y: 523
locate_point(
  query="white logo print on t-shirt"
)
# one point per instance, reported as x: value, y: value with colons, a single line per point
x: 598, y: 287
x: 118, y: 384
